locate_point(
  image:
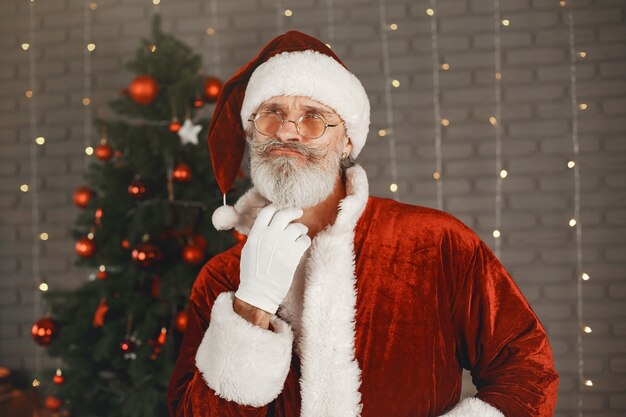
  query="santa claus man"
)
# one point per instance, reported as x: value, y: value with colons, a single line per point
x: 338, y: 303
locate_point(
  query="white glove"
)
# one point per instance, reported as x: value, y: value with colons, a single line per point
x: 270, y: 257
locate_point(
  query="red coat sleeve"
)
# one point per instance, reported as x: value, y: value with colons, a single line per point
x: 188, y: 393
x: 499, y: 337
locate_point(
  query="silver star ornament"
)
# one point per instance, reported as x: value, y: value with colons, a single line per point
x: 188, y: 132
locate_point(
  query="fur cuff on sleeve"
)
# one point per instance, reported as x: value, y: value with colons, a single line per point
x: 242, y: 362
x: 473, y: 407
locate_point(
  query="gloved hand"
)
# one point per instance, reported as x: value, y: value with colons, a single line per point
x: 270, y: 257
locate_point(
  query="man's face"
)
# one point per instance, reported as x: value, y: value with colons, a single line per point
x: 289, y: 169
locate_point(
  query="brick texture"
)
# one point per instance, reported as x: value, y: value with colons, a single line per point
x: 537, y: 247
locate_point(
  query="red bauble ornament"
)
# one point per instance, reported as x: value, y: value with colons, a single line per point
x: 146, y: 255
x: 85, y: 247
x: 198, y: 102
x: 182, y: 172
x: 137, y: 189
x: 212, y: 88
x: 53, y: 403
x: 102, y: 275
x: 44, y: 331
x: 125, y: 244
x: 175, y: 126
x: 58, y: 378
x: 99, y: 217
x: 100, y: 313
x: 82, y: 196
x: 128, y: 345
x: 104, y: 151
x: 180, y: 323
x: 192, y: 254
x: 143, y: 89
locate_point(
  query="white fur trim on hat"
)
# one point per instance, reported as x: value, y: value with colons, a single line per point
x: 315, y: 75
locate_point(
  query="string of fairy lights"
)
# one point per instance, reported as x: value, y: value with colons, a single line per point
x: 581, y: 275
x: 496, y: 122
x: 216, y: 55
x: 32, y: 95
x: 89, y: 7
x: 388, y: 131
x: 434, y: 47
x: 330, y: 22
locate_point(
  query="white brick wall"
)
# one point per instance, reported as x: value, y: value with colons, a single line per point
x: 538, y: 247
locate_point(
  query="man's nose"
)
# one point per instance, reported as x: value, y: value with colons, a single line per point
x: 288, y: 132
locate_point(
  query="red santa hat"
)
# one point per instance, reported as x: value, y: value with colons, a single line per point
x: 292, y: 64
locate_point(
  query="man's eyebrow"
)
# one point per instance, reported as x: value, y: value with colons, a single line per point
x: 278, y: 107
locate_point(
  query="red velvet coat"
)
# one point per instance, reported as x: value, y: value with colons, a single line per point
x: 398, y: 299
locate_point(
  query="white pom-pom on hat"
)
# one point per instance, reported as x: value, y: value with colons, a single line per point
x: 225, y: 217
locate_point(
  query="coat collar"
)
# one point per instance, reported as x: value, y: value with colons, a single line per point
x: 330, y: 374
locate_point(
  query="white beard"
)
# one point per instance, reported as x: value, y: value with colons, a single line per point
x: 294, y: 181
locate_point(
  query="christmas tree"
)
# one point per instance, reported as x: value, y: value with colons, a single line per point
x: 144, y: 231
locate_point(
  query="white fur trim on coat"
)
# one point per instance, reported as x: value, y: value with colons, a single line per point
x: 315, y: 75
x: 473, y: 407
x: 242, y: 362
x: 331, y: 376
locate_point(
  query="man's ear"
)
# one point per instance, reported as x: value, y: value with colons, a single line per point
x: 347, y: 148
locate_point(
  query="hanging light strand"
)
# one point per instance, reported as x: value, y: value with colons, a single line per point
x: 217, y: 58
x: 580, y: 275
x: 330, y: 15
x: 434, y: 47
x: 34, y: 180
x: 389, y: 130
x: 87, y: 99
x: 496, y: 121
x: 279, y: 16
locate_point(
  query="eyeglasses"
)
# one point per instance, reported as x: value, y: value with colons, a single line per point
x: 309, y: 125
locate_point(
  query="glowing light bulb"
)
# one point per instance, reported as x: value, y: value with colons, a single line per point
x: 210, y: 31
x: 382, y: 132
x: 91, y: 47
x: 587, y: 329
x: 93, y: 6
x: 496, y: 233
x: 493, y: 121
x: 35, y: 382
x: 395, y: 83
x: 503, y: 173
x: 393, y: 187
x: 89, y: 150
x: 506, y: 22
x: 582, y: 54
x: 585, y: 276
x: 155, y: 2
x: 498, y: 75
x: 430, y: 12
x: 582, y: 106
x: 436, y: 175
x: 445, y: 66
x: 28, y: 93
x: 25, y: 46
x: 40, y: 140
x: 572, y: 222
x: 86, y: 101
x: 152, y: 48
x: 24, y: 188
x: 571, y: 164
x: 393, y: 26
x: 43, y: 236
x: 589, y: 383
x: 288, y: 13
x: 43, y: 287
x: 445, y: 122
